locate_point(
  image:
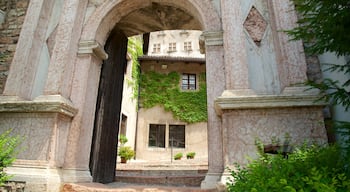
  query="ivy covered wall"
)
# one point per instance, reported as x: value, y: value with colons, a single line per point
x: 164, y: 89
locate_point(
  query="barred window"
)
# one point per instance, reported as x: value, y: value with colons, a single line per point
x: 156, y: 136
x: 177, y: 136
x: 188, y: 82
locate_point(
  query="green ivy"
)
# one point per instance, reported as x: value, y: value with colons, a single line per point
x: 164, y: 90
x: 135, y: 51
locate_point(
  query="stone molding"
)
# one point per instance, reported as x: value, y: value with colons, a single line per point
x: 41, y: 104
x: 247, y: 99
x: 212, y: 38
x: 92, y: 47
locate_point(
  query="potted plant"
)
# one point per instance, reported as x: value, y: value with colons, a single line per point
x: 178, y: 156
x: 122, y: 139
x: 190, y: 155
x: 125, y: 153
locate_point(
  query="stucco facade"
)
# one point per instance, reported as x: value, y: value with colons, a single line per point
x: 51, y: 89
x: 195, y: 133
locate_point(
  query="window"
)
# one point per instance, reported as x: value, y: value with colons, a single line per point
x: 188, y: 46
x: 156, y: 48
x: 188, y: 82
x: 156, y: 136
x: 177, y: 136
x: 123, y: 125
x: 172, y: 47
x: 173, y: 134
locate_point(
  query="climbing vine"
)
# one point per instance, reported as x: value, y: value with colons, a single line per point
x: 135, y: 50
x: 164, y: 90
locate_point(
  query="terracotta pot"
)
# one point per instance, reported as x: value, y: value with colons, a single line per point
x: 123, y: 160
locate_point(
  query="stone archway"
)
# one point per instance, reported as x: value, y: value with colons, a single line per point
x: 94, y: 36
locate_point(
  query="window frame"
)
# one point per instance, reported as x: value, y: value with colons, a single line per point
x: 188, y: 46
x: 180, y: 142
x: 156, y: 47
x: 172, y: 47
x: 189, y: 86
x: 157, y: 136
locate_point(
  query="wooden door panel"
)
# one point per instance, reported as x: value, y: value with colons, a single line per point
x: 108, y: 107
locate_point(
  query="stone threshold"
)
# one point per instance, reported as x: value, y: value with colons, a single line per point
x: 124, y: 187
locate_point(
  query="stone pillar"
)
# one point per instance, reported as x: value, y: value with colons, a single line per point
x: 248, y: 112
x: 61, y: 67
x: 215, y: 83
x: 236, y: 68
x: 84, y: 95
x: 24, y: 73
x: 290, y: 54
x: 44, y: 126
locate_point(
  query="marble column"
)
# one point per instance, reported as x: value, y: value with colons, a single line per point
x: 60, y: 72
x: 236, y: 68
x: 215, y: 71
x: 23, y: 76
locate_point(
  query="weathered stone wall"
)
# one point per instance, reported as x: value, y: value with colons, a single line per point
x: 14, y: 13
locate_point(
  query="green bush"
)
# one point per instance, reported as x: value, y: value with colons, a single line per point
x: 313, y: 169
x: 122, y: 139
x: 190, y: 155
x: 8, y: 151
x: 178, y: 156
x: 126, y: 152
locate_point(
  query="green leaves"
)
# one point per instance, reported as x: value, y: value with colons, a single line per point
x: 135, y: 50
x: 307, y: 169
x: 163, y: 89
x: 323, y: 25
x: 8, y: 150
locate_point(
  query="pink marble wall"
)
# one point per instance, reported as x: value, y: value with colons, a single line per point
x: 243, y: 127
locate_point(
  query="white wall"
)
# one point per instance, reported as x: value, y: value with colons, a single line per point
x: 338, y: 111
x: 178, y: 37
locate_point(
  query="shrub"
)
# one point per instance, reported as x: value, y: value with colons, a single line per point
x: 126, y: 152
x: 122, y: 139
x: 8, y: 150
x: 178, y: 156
x: 190, y: 155
x: 307, y: 169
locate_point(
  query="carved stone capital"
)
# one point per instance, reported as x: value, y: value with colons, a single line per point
x: 210, y: 38
x: 92, y: 47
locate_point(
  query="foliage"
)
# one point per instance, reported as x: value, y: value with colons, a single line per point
x: 126, y: 152
x: 324, y: 26
x: 135, y: 50
x: 122, y: 139
x: 164, y: 89
x: 178, y: 156
x: 307, y: 169
x: 190, y: 155
x: 8, y: 151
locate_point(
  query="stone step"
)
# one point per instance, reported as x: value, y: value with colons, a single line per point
x: 170, y: 180
x: 122, y: 187
x: 160, y: 175
x: 160, y: 172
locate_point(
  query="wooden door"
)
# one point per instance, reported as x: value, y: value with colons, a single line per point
x: 108, y: 107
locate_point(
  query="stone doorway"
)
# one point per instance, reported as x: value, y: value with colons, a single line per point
x: 160, y: 16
